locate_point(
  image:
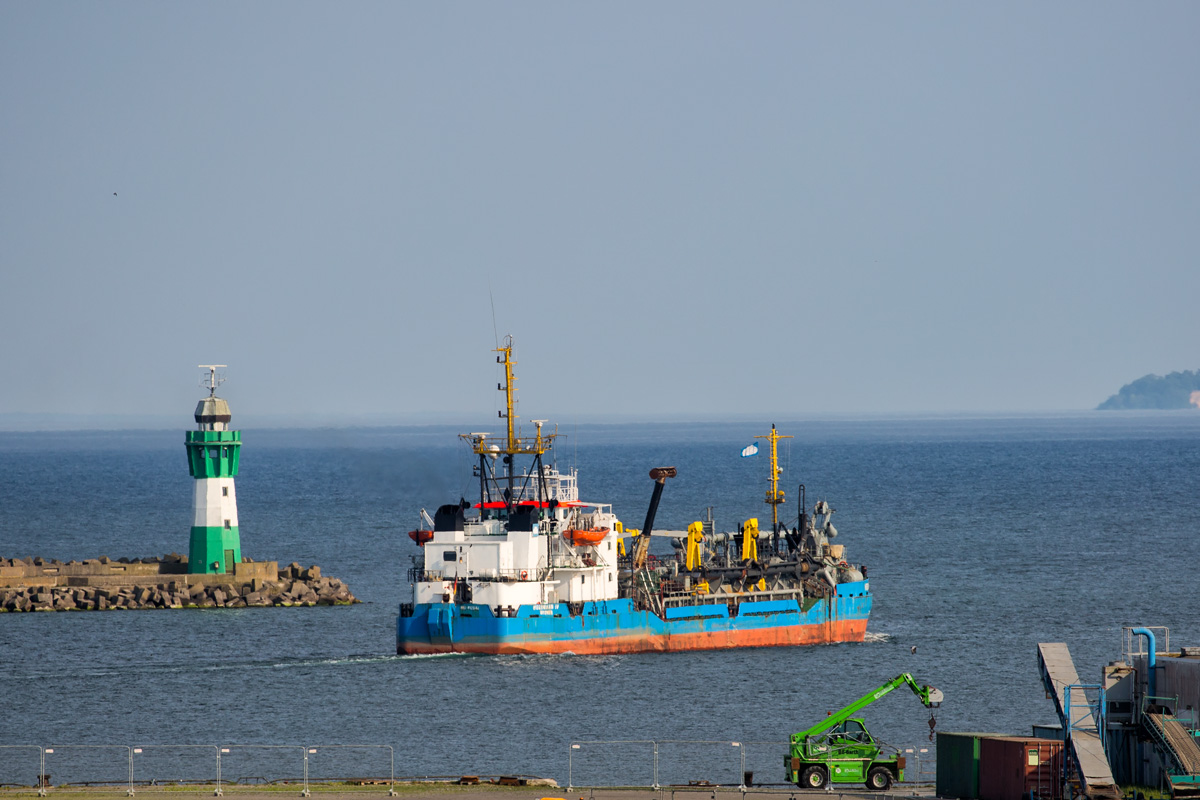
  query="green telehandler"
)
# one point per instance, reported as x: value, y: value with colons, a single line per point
x: 838, y: 749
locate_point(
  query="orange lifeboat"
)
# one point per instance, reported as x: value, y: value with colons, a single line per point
x: 420, y: 537
x: 585, y: 536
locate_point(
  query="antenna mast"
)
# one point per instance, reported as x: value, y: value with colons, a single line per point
x: 509, y: 390
x: 213, y: 380
x: 774, y: 496
x: 514, y: 444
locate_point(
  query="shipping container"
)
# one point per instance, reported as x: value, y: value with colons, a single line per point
x: 1048, y: 732
x: 958, y: 764
x: 1016, y: 767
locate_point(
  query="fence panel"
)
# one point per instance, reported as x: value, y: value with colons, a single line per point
x: 250, y: 764
x: 342, y: 762
x: 681, y: 763
x: 765, y: 761
x: 20, y: 764
x: 87, y: 764
x: 922, y: 764
x: 612, y: 763
x: 174, y: 765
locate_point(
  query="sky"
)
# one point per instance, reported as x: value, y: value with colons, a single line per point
x: 677, y: 209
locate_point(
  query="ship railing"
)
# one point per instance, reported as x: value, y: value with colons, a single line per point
x: 492, y: 575
x: 694, y: 599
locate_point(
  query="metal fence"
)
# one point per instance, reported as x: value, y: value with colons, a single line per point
x: 146, y: 765
x: 655, y: 763
x: 697, y: 763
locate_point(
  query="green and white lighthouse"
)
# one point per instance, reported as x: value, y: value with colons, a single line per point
x: 213, y: 452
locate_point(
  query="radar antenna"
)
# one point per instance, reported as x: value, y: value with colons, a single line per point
x: 213, y: 380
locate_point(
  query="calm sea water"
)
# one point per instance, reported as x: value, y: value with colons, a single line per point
x: 982, y: 538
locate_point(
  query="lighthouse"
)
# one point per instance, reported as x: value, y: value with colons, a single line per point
x: 213, y: 452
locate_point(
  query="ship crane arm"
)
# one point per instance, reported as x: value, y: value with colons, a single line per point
x: 642, y: 549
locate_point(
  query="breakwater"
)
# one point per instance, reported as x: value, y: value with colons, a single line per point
x: 102, y: 584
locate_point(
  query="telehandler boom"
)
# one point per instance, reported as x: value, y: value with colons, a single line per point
x: 838, y: 749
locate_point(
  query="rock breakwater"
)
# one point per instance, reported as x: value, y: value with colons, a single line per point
x: 36, y: 584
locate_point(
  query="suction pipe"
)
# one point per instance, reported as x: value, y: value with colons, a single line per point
x: 1150, y: 646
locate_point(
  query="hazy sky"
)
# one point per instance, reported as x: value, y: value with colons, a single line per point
x: 677, y: 207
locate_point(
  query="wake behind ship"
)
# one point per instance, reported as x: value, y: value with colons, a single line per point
x: 531, y: 568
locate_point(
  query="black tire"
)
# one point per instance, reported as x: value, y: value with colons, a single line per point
x: 879, y: 779
x: 814, y: 777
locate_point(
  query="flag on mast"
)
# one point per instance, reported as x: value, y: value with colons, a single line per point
x: 752, y: 450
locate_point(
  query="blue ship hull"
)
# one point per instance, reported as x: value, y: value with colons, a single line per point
x: 615, y: 626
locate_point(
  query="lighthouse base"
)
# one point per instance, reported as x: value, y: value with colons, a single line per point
x: 214, y: 550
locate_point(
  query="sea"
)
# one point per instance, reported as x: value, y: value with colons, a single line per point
x: 983, y: 536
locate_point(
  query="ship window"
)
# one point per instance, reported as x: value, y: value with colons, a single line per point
x: 449, y: 555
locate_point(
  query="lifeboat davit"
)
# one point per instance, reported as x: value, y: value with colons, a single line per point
x: 420, y: 537
x: 585, y: 536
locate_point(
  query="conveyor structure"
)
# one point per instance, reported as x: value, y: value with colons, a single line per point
x: 1080, y: 725
x: 1182, y: 753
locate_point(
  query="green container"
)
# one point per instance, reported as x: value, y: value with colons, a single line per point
x: 958, y: 764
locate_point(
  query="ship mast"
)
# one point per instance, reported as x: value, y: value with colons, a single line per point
x: 774, y: 495
x: 514, y: 444
x: 509, y: 390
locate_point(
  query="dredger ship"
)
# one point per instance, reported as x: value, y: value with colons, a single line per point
x: 531, y: 568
